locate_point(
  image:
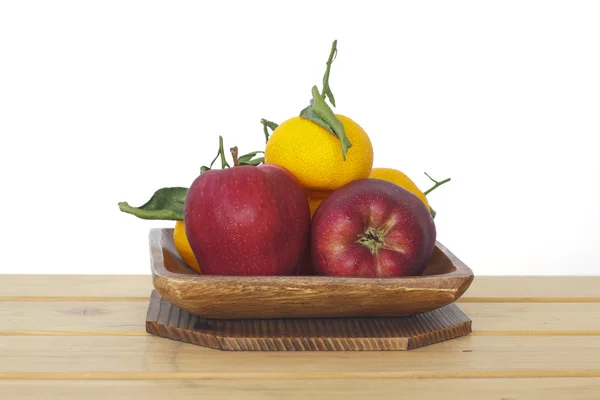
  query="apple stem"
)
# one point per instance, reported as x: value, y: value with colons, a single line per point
x: 246, y: 159
x: 234, y: 155
x: 437, y: 184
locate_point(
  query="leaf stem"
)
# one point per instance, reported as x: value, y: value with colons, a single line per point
x: 326, y: 92
x: 436, y: 185
x: 222, y: 153
x: 268, y: 124
x: 215, y: 159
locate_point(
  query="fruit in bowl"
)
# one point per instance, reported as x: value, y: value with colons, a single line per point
x: 254, y: 217
x: 372, y: 228
x: 387, y: 174
x: 247, y: 220
x: 182, y: 245
x: 313, y: 154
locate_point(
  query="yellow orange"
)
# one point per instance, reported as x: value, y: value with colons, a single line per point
x: 314, y: 155
x: 183, y: 246
x: 315, y: 198
x: 400, y: 179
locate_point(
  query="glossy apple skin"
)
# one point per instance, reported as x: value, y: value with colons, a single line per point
x: 394, y: 222
x: 247, y: 220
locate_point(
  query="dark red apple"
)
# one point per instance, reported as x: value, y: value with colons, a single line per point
x: 372, y: 228
x: 247, y: 220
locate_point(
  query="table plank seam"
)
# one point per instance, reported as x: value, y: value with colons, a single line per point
x: 433, y: 374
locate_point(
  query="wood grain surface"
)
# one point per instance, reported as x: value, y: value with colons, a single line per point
x: 120, y: 357
x: 84, y: 337
x: 102, y: 318
x: 306, y: 334
x: 329, y: 389
x: 496, y: 289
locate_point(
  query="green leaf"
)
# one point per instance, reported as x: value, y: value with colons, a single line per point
x: 255, y: 162
x: 248, y: 157
x: 321, y: 108
x: 270, y: 124
x: 165, y: 204
x: 310, y: 115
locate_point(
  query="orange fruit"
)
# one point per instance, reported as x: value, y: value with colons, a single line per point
x: 315, y: 198
x: 400, y: 179
x: 314, y: 155
x: 183, y: 246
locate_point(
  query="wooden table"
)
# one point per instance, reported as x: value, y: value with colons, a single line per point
x: 83, y: 337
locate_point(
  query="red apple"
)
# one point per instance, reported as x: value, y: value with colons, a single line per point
x: 372, y: 228
x: 247, y: 220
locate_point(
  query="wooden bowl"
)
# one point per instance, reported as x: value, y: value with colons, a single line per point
x: 445, y: 279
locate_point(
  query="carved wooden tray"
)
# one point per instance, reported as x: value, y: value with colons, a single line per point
x: 445, y: 279
x: 314, y: 334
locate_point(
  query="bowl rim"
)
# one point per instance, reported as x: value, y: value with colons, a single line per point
x: 157, y: 265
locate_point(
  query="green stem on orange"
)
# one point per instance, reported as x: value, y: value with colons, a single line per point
x: 436, y: 184
x: 319, y: 112
x: 270, y: 125
x: 326, y: 92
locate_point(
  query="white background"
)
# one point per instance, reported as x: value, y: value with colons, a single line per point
x: 107, y: 101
